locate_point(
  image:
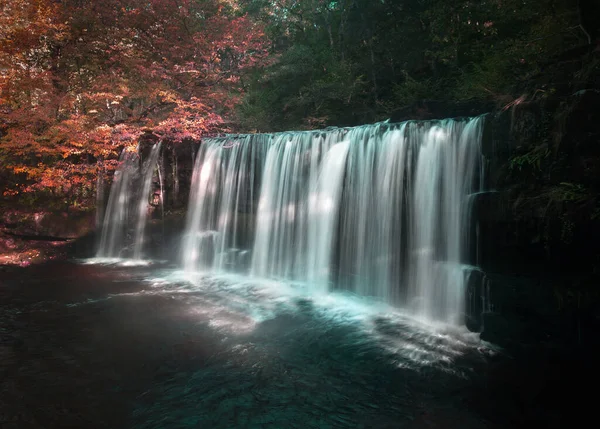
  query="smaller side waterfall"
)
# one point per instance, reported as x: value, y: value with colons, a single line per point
x: 142, y: 215
x: 114, y: 225
x: 99, y: 196
x: 125, y: 217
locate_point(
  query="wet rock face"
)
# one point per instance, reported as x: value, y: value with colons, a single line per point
x: 542, y: 159
x: 176, y: 164
x: 582, y: 136
x: 539, y: 226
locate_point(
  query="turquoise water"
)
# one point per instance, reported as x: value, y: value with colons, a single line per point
x: 112, y: 346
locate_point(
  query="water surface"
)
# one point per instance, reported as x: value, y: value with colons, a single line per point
x: 143, y: 346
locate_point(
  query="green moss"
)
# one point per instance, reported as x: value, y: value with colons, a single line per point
x: 531, y: 160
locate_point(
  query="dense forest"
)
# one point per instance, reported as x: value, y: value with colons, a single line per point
x: 80, y: 80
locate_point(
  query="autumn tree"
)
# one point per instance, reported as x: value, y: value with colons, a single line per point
x: 81, y: 79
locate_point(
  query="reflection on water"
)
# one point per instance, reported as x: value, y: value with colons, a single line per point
x: 117, y: 261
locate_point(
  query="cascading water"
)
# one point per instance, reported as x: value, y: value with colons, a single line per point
x: 220, y: 219
x: 322, y: 213
x: 116, y: 216
x: 142, y: 212
x: 99, y: 196
x: 380, y: 210
x: 444, y: 177
x: 298, y: 203
x: 127, y: 209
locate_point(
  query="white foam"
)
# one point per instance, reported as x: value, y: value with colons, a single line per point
x: 237, y: 305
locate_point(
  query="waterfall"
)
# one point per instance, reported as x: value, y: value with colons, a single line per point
x: 99, y: 196
x: 175, y: 173
x: 126, y: 214
x: 373, y: 207
x: 322, y: 213
x: 297, y: 211
x: 380, y: 210
x: 114, y: 226
x: 444, y: 177
x: 142, y: 214
x: 220, y: 219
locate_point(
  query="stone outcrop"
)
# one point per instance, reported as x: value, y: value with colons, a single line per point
x: 539, y: 226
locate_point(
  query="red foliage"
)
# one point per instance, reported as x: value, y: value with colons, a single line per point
x: 80, y: 80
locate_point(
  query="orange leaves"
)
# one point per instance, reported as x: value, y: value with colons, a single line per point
x: 29, y: 19
x: 11, y: 193
x: 168, y: 96
x: 29, y: 30
x: 189, y: 119
x: 81, y: 80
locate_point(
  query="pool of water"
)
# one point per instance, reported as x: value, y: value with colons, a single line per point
x: 100, y: 344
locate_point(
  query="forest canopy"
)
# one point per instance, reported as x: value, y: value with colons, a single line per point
x: 81, y: 79
x: 347, y: 62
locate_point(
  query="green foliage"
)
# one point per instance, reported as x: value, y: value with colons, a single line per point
x: 412, y: 90
x: 346, y: 62
x: 531, y: 161
x: 571, y: 192
x: 569, y: 202
x: 304, y: 87
x: 488, y: 79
